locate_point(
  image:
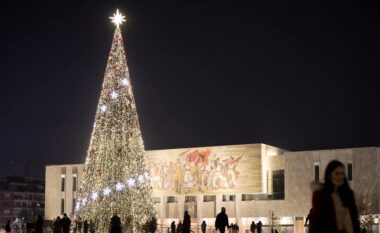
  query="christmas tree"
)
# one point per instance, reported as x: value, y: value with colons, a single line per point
x: 115, y: 178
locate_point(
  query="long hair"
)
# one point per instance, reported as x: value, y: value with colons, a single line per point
x: 344, y: 190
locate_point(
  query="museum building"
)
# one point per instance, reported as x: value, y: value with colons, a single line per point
x: 254, y: 182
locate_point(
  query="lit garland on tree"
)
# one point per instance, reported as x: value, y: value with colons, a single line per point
x: 116, y: 179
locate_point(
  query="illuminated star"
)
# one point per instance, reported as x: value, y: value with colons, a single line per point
x: 125, y: 82
x: 103, y: 108
x: 106, y: 192
x: 117, y: 18
x: 114, y: 95
x: 94, y: 196
x: 141, y: 179
x: 119, y: 186
x: 131, y: 182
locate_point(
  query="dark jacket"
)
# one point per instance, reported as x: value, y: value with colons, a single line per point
x: 186, y: 222
x: 323, y: 218
x: 221, y: 221
x: 115, y: 226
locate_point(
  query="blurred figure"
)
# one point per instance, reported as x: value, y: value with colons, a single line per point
x: 334, y: 208
x: 39, y: 224
x: 92, y: 226
x: 221, y: 221
x: 8, y: 226
x: 253, y: 227
x: 186, y: 222
x: 115, y: 224
x: 203, y: 227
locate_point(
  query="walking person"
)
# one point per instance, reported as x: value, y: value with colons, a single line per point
x: 203, y: 227
x: 66, y: 222
x: 221, y: 221
x: 172, y: 227
x: 253, y: 227
x: 57, y: 225
x: 186, y: 222
x: 259, y: 227
x: 180, y: 227
x: 8, y: 226
x: 115, y: 224
x: 85, y: 226
x: 334, y: 208
x: 92, y: 226
x: 38, y: 225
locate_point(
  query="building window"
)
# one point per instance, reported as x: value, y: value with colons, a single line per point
x: 228, y: 198
x: 74, y: 203
x: 190, y: 199
x: 171, y: 199
x: 209, y: 198
x: 247, y: 197
x: 62, y: 183
x: 74, y: 183
x: 349, y: 171
x: 62, y: 206
x: 278, y: 185
x: 316, y: 171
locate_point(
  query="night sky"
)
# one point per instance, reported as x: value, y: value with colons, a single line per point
x: 205, y: 73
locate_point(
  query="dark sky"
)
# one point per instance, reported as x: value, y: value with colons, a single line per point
x: 298, y: 76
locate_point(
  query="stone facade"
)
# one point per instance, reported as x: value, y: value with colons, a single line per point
x: 298, y: 169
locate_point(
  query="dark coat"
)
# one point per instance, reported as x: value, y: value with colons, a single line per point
x: 115, y: 225
x: 38, y: 227
x: 186, y: 223
x: 323, y: 218
x: 221, y: 221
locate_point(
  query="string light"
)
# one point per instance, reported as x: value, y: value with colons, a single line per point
x: 114, y: 156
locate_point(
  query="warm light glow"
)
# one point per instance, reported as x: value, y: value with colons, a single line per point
x: 125, y: 82
x: 114, y: 95
x: 103, y: 108
x: 117, y: 18
x: 119, y: 186
x: 94, y: 196
x: 131, y: 182
x: 106, y: 192
x: 116, y: 151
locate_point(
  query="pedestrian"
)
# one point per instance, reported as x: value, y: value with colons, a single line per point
x: 85, y: 226
x: 186, y: 222
x: 66, y: 222
x: 57, y: 225
x: 180, y: 227
x: 221, y: 221
x: 203, y: 227
x: 253, y: 227
x: 153, y: 225
x: 92, y: 226
x: 8, y: 226
x: 79, y: 225
x: 38, y: 225
x: 115, y: 224
x: 172, y: 227
x: 334, y: 208
x: 259, y: 227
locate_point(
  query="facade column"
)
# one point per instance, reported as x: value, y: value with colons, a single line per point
x: 237, y: 210
x: 163, y: 204
x: 199, y: 210
x: 181, y: 206
x: 218, y: 203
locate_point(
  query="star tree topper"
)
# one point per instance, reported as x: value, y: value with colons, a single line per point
x: 117, y: 18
